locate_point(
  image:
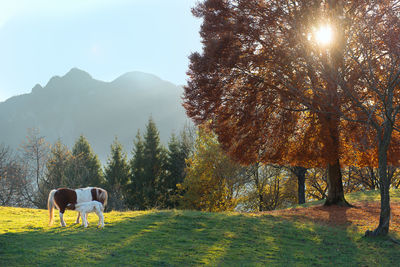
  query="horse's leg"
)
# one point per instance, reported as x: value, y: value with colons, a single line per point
x: 77, y: 218
x: 84, y: 219
x: 62, y: 219
x: 60, y: 203
x: 101, y: 219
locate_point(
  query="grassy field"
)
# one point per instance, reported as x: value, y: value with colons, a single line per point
x: 187, y: 238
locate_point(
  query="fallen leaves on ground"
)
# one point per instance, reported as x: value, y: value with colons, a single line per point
x: 364, y: 215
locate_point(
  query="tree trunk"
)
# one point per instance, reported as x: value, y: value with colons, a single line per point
x: 384, y: 218
x: 334, y: 179
x: 261, y: 204
x: 335, y: 186
x: 300, y: 173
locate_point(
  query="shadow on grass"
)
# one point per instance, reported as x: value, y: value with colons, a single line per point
x: 176, y: 238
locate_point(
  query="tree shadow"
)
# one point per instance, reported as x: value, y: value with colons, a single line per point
x: 58, y: 245
x: 182, y: 238
x: 338, y: 215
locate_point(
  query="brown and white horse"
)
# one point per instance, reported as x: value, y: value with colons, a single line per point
x: 65, y: 198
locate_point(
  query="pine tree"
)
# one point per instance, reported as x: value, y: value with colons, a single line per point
x: 84, y: 168
x: 178, y: 152
x: 154, y: 165
x: 117, y: 175
x: 148, y: 170
x: 56, y: 175
x: 135, y: 196
x: 174, y: 172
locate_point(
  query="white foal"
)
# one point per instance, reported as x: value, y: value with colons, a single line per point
x: 91, y: 206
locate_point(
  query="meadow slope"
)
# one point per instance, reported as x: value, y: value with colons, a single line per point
x: 187, y: 238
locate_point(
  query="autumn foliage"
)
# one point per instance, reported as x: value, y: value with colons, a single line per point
x: 274, y: 93
x: 212, y: 181
x: 261, y: 83
x: 269, y: 90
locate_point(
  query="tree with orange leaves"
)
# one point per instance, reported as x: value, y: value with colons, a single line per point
x: 372, y: 88
x: 260, y: 82
x: 300, y: 82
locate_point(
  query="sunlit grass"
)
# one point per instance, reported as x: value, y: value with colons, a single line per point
x: 373, y: 195
x: 187, y: 238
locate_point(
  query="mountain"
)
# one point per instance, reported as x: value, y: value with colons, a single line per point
x: 76, y: 104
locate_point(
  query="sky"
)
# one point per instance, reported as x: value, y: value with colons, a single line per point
x: 107, y: 38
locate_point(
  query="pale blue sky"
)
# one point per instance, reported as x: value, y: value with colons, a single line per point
x: 43, y: 38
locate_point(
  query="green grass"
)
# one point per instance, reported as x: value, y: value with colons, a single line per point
x: 357, y: 197
x: 187, y: 238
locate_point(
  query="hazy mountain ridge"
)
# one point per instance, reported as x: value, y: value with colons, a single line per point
x: 77, y: 104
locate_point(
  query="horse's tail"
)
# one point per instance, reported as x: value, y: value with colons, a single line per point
x: 50, y: 206
x: 103, y: 196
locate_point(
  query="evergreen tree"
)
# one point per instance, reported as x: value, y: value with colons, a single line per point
x: 178, y: 152
x: 84, y: 168
x: 148, y: 170
x: 174, y: 172
x: 56, y: 175
x: 117, y: 175
x: 135, y: 188
x: 154, y: 159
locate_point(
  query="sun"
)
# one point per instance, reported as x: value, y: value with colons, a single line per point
x: 324, y: 35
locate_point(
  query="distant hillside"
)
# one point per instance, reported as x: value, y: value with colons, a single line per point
x: 76, y: 104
